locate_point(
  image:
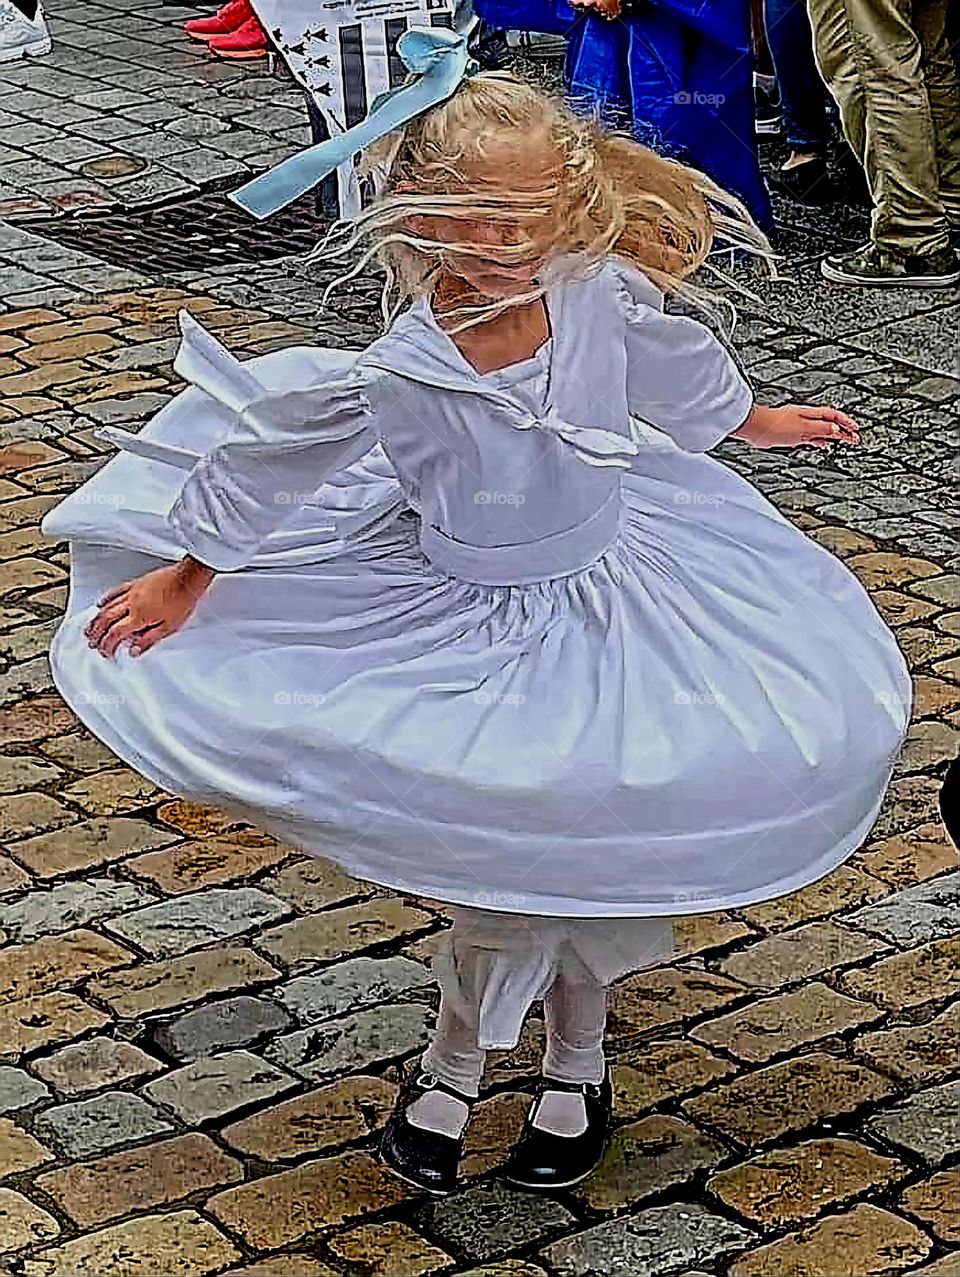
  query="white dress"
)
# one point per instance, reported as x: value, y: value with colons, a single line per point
x: 569, y: 667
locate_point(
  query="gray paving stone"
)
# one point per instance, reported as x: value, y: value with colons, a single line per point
x: 32, y: 105
x: 851, y: 512
x: 152, y: 146
x: 13, y: 280
x: 71, y: 904
x: 62, y: 84
x: 14, y: 237
x: 137, y: 407
x: 19, y: 137
x: 29, y: 172
x: 93, y: 1126
x: 18, y: 772
x: 95, y: 1063
x: 147, y: 354
x: 348, y: 986
x: 206, y: 1090
x: 111, y: 99
x: 927, y: 1123
x: 152, y: 112
x: 261, y: 88
x: 492, y: 1219
x: 18, y: 1090
x: 648, y: 1244
x: 189, y: 922
x: 195, y: 124
x: 272, y: 118
x: 189, y: 94
x: 897, y: 505
x: 802, y: 296
x: 48, y: 296
x: 931, y: 346
x: 108, y: 128
x: 243, y: 143
x: 232, y: 1023
x: 647, y: 1157
x: 50, y: 259
x: 353, y: 1043
x: 26, y: 679
x: 151, y: 187
x: 146, y: 78
x: 201, y: 164
x: 915, y: 915
x: 102, y: 279
x: 937, y: 389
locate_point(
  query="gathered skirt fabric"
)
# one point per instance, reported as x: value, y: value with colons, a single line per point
x: 705, y: 717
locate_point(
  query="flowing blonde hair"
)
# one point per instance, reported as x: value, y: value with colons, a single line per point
x: 606, y: 194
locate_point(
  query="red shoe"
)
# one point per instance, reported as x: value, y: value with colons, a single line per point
x: 229, y: 18
x: 243, y: 45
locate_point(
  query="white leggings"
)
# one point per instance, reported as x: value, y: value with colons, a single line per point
x: 493, y: 966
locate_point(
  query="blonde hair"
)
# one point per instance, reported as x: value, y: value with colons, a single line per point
x: 605, y: 195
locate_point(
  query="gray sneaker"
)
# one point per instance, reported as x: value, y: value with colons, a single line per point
x: 20, y: 36
x: 873, y: 267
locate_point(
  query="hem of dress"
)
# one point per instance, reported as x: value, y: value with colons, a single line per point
x: 614, y: 911
x: 490, y: 901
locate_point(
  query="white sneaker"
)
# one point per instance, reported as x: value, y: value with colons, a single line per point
x: 20, y: 36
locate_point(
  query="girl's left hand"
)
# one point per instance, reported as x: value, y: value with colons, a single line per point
x: 796, y: 425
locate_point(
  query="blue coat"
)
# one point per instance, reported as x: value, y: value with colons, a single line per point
x: 679, y: 75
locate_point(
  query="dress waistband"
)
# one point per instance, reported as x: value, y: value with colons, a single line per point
x: 561, y: 554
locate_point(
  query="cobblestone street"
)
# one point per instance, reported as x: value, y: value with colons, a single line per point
x: 201, y: 1029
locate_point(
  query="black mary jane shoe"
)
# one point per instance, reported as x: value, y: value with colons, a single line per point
x: 543, y: 1161
x: 425, y: 1159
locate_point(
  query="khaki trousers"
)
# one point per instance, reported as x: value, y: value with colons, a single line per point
x: 888, y: 64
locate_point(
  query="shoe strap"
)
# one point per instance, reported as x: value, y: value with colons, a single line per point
x: 425, y: 1081
x: 591, y: 1089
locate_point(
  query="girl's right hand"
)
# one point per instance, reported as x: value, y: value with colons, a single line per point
x: 150, y: 608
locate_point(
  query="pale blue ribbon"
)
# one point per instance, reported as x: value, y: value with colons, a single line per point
x: 439, y: 59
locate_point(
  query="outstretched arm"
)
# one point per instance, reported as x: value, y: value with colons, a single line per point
x: 685, y: 382
x: 280, y: 447
x: 794, y: 425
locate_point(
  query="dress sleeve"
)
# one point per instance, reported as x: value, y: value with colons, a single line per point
x: 680, y: 378
x: 280, y: 447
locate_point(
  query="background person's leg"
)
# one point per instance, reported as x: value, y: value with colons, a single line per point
x: 869, y: 53
x: 27, y: 7
x: 327, y: 199
x: 940, y: 73
x: 833, y: 53
x: 802, y: 91
x: 803, y: 98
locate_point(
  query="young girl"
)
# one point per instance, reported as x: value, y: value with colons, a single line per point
x: 550, y: 664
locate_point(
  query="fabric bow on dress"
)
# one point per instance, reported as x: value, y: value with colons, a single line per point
x: 595, y: 446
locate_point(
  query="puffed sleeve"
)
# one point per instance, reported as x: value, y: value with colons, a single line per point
x: 680, y: 378
x: 279, y: 448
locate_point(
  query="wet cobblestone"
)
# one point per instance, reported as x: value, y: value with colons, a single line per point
x: 202, y: 1030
